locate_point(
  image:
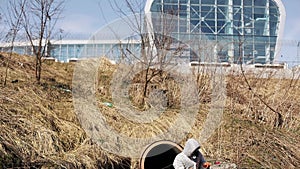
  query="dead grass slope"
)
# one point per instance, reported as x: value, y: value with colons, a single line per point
x: 250, y: 135
x: 39, y: 127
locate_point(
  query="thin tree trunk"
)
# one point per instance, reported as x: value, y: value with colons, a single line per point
x: 6, y: 69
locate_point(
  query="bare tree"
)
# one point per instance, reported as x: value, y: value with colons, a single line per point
x: 159, y: 50
x: 279, y: 122
x: 13, y: 20
x: 38, y: 18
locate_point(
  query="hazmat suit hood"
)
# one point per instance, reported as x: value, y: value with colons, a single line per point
x: 190, y: 146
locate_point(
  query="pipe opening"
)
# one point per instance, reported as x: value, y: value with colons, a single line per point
x: 160, y: 155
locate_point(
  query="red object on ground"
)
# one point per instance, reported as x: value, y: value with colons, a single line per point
x: 217, y: 162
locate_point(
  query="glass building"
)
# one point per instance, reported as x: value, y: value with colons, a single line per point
x: 230, y: 31
x: 68, y: 50
x: 239, y: 31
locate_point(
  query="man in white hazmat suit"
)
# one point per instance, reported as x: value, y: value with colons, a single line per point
x: 190, y: 157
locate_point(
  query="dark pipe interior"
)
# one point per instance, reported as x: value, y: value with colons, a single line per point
x: 160, y: 156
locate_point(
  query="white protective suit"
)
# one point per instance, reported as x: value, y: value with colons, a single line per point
x: 189, y: 157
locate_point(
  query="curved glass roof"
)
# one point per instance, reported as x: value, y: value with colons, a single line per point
x: 247, y: 31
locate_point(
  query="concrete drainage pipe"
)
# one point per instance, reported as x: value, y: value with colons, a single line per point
x: 160, y: 155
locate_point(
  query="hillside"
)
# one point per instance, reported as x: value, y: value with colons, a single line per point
x: 39, y: 127
x: 38, y: 123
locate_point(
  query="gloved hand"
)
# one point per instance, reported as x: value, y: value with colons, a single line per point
x: 206, y: 165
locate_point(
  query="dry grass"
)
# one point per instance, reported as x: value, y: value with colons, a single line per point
x: 250, y: 135
x: 39, y: 127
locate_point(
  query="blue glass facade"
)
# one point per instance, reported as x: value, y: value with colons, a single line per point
x: 244, y: 31
x: 63, y: 51
x: 234, y: 31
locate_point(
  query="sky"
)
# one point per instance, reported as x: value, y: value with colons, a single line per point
x: 88, y: 16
